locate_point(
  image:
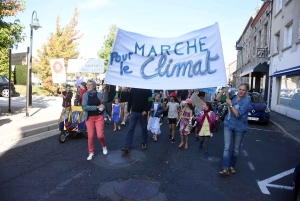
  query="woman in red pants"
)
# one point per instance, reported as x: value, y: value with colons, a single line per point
x: 92, y: 104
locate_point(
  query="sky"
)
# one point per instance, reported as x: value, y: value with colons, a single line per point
x: 155, y: 18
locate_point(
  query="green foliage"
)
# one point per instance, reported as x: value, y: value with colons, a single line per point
x: 10, y: 33
x: 21, y: 73
x: 296, y: 80
x: 61, y: 44
x: 105, y: 50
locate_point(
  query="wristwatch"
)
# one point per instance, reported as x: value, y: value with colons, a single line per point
x: 230, y: 106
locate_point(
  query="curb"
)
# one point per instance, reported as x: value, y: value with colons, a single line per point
x: 284, y: 131
x: 28, y: 133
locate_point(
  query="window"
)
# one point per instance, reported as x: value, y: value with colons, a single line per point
x: 288, y: 32
x: 254, y: 45
x: 259, y: 39
x: 265, y: 39
x: 289, y: 92
x: 276, y: 42
x: 278, y: 5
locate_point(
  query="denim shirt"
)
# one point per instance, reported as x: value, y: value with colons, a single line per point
x: 239, y: 123
x: 87, y: 108
x: 159, y: 110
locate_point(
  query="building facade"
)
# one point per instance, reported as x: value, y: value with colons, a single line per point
x: 230, y: 69
x: 253, y: 49
x: 284, y: 96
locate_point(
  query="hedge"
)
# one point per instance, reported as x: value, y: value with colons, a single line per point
x: 20, y: 72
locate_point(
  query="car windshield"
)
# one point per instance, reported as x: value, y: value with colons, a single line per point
x: 256, y: 98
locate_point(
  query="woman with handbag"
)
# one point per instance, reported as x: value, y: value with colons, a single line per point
x: 155, y: 113
x: 235, y: 126
x: 92, y: 104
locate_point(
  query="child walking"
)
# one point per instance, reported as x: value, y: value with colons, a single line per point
x: 206, y: 126
x: 186, y: 123
x: 116, y: 114
x: 173, y: 108
x: 155, y: 113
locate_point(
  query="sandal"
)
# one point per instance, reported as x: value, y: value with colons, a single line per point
x: 232, y: 170
x: 115, y: 129
x: 224, y: 172
x: 181, y: 144
x: 186, y: 147
x: 119, y: 128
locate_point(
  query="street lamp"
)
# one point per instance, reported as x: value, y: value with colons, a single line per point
x: 34, y: 25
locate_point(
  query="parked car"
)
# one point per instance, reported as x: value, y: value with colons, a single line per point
x: 296, y: 181
x: 4, y: 87
x: 258, y: 109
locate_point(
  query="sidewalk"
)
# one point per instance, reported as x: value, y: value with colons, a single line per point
x: 17, y: 126
x: 287, y: 125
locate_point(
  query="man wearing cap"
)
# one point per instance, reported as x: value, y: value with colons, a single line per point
x: 139, y: 103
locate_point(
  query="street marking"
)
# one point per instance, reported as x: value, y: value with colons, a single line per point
x: 245, y: 153
x: 60, y: 187
x: 266, y: 183
x: 259, y: 129
x: 251, y: 166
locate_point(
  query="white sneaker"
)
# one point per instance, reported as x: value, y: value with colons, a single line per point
x: 104, y: 150
x: 123, y: 123
x: 91, y: 156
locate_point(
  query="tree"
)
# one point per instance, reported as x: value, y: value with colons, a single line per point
x: 296, y: 80
x: 11, y: 33
x: 106, y: 49
x: 61, y: 44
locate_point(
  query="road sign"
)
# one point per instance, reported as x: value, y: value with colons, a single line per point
x: 267, y: 182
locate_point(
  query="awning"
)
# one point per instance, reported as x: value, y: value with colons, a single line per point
x: 288, y: 71
x: 260, y: 68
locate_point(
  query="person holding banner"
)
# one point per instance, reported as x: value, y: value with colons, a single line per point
x: 93, y: 115
x: 139, y: 103
x: 67, y: 97
x: 235, y: 126
x: 79, y: 79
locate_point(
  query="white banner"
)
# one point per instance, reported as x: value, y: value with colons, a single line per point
x: 86, y: 66
x: 58, y: 70
x: 193, y: 60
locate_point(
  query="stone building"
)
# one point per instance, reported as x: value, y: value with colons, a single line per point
x: 253, y: 49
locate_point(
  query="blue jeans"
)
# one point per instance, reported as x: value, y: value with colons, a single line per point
x: 134, y: 117
x: 232, y: 141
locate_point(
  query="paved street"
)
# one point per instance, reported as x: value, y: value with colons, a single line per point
x: 48, y: 170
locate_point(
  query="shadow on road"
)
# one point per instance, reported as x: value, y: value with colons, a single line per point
x: 4, y: 121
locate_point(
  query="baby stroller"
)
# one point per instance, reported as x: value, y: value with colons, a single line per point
x: 71, y: 123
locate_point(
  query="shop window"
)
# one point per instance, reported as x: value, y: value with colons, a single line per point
x: 289, y: 92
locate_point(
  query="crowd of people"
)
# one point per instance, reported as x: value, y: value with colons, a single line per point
x: 186, y: 110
